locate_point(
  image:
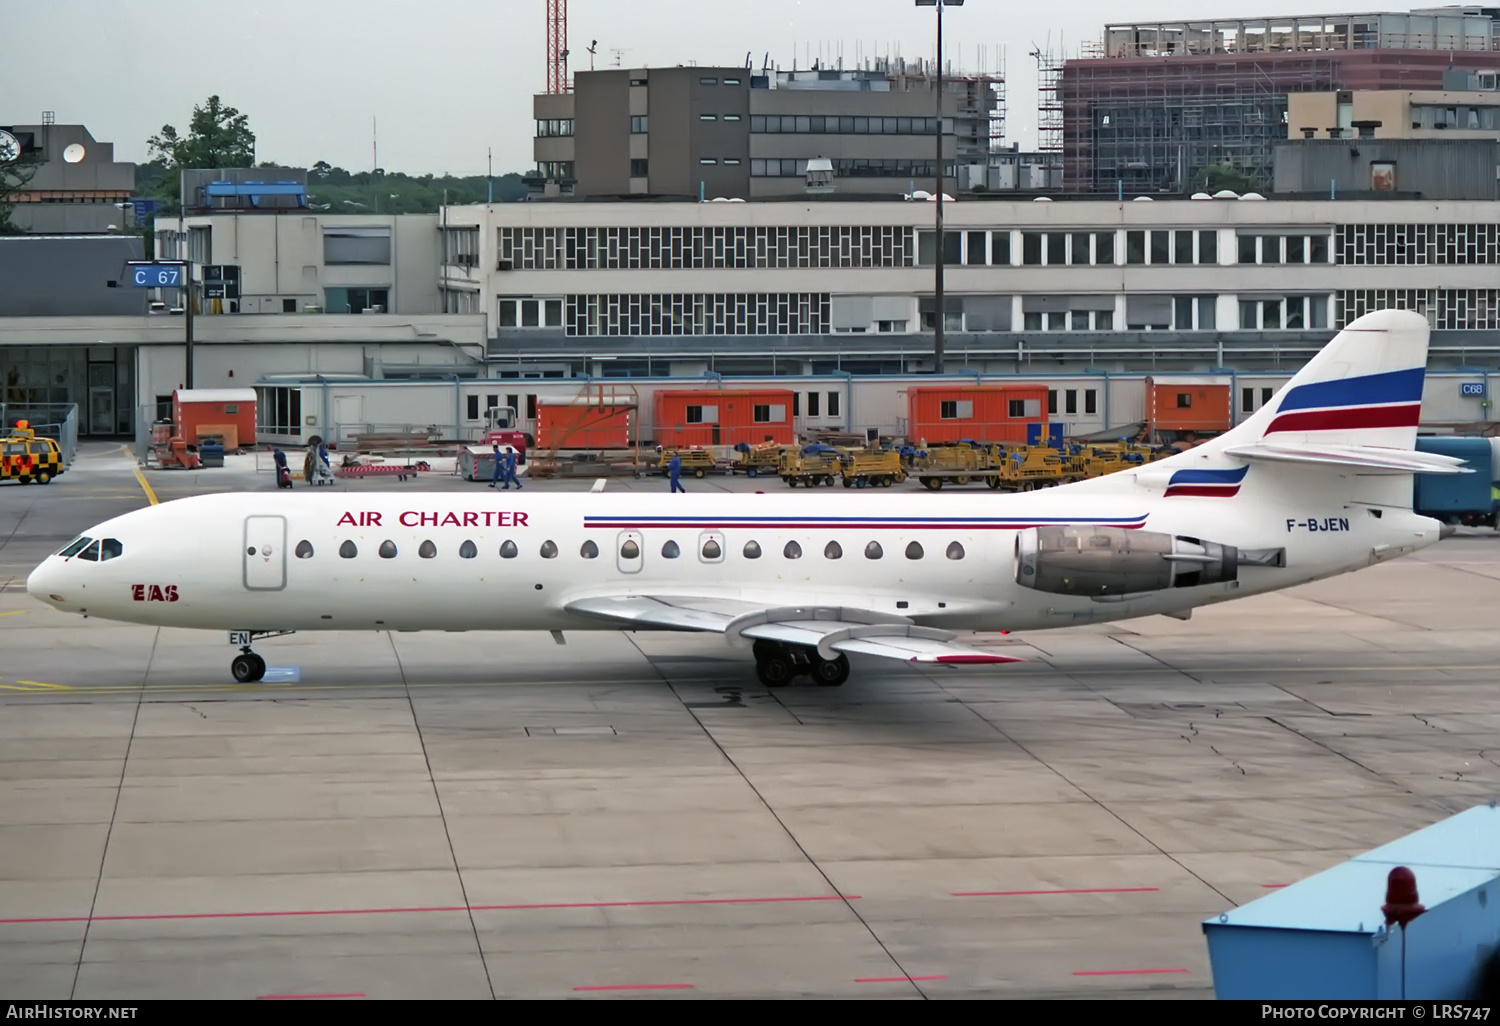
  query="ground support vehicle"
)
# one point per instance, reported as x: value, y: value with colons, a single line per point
x: 871, y: 469
x: 813, y: 465
x: 26, y: 458
x: 695, y: 462
x: 755, y: 460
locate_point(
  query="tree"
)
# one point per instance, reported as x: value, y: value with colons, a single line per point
x: 217, y: 136
x: 1217, y: 177
x: 14, y: 177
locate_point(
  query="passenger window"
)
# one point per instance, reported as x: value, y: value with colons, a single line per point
x: 427, y: 550
x: 792, y: 550
x: 874, y: 551
x: 711, y: 550
x: 468, y: 550
x: 304, y: 550
x: 833, y: 550
x: 955, y: 550
x: 914, y: 550
x: 752, y: 550
x: 670, y: 550
x: 508, y: 550
x: 387, y: 550
x: 589, y: 550
x: 630, y: 550
x: 549, y: 549
x: 348, y: 550
x: 75, y: 547
x: 91, y: 553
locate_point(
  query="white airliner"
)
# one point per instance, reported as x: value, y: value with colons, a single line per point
x: 1316, y: 483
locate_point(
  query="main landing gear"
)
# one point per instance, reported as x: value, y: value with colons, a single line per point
x: 776, y: 664
x: 248, y: 667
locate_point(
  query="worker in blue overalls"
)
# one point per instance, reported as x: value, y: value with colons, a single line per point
x: 498, y: 471
x: 674, y: 471
x: 510, y: 471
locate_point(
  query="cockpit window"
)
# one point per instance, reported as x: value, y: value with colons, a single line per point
x: 91, y: 553
x: 109, y: 548
x: 74, y: 547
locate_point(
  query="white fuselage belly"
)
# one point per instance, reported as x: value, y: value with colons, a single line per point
x: 198, y: 546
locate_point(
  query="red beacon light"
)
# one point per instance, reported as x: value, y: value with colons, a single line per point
x: 1401, y: 901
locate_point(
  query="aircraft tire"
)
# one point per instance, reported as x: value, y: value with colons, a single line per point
x: 830, y: 673
x: 775, y: 669
x: 248, y: 668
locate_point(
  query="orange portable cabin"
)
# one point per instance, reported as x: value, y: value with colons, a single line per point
x: 718, y: 417
x: 983, y: 413
x: 579, y: 424
x: 227, y: 413
x: 1197, y: 404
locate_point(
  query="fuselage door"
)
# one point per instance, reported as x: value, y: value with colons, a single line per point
x: 265, y: 553
x: 629, y: 551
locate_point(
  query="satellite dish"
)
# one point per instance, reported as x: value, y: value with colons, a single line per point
x: 74, y: 153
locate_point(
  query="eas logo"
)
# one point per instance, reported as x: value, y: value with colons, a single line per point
x: 153, y: 593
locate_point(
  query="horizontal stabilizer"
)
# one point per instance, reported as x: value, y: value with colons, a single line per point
x: 1368, y: 459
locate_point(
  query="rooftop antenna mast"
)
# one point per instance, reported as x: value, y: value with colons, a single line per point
x: 593, y: 49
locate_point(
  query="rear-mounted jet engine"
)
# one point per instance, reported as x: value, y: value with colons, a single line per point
x: 1113, y: 561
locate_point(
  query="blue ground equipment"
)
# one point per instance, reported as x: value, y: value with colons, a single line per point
x: 1329, y: 937
x: 1469, y: 499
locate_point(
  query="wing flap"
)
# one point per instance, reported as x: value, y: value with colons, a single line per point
x: 664, y: 612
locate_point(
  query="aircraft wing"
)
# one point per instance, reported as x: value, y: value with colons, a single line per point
x: 829, y: 629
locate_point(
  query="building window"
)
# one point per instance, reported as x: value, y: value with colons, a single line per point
x: 1078, y: 248
x: 833, y: 402
x: 1182, y: 244
x: 356, y: 245
x: 768, y: 414
x: 1000, y: 248
x: 697, y: 314
x: 1031, y: 248
x: 708, y: 81
x: 731, y: 161
x: 1184, y: 400
x: 1071, y: 401
x: 956, y: 409
x: 1135, y: 247
x: 1161, y: 243
x: 731, y: 117
x: 1090, y: 401
x: 340, y: 300
x: 1208, y: 247
x: 278, y: 411
x: 473, y: 407
x: 637, y: 81
x: 707, y: 161
x: 731, y: 81
x: 638, y: 168
x: 1247, y: 400
x: 556, y: 127
x: 288, y: 306
x: 707, y: 117
x: 976, y: 247
x: 1051, y: 401
x: 638, y: 123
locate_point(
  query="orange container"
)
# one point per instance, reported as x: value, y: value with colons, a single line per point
x: 1197, y: 404
x: 718, y: 417
x: 228, y: 413
x: 983, y: 413
x: 582, y: 426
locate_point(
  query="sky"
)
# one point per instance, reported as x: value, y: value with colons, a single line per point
x: 440, y: 84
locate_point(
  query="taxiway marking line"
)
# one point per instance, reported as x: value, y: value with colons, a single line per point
x: 43, y: 684
x: 897, y: 979
x: 173, y: 916
x: 14, y: 612
x: 1125, y: 972
x: 1077, y: 890
x: 145, y: 487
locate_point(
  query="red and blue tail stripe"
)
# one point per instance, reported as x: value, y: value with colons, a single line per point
x: 1219, y: 483
x: 1389, y: 400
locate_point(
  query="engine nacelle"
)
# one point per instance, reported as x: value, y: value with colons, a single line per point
x: 1070, y: 559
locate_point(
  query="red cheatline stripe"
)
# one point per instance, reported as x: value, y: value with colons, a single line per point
x: 897, y: 979
x: 640, y: 986
x: 304, y: 997
x: 1074, y: 890
x: 1217, y: 490
x: 1348, y: 419
x: 1125, y: 972
x: 431, y: 908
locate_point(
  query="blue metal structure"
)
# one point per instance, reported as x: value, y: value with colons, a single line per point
x: 1326, y: 938
x: 1470, y: 499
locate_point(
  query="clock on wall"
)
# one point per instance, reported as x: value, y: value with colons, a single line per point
x: 10, y: 147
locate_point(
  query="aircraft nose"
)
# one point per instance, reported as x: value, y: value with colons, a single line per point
x: 43, y: 583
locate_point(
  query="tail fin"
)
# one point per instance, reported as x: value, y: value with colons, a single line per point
x: 1363, y: 389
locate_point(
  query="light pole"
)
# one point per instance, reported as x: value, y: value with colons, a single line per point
x: 942, y: 312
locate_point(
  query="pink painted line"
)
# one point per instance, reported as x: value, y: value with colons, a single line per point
x: 1273, y: 887
x: 639, y: 986
x: 304, y: 997
x: 897, y: 979
x: 1125, y: 972
x: 1076, y: 890
x: 429, y: 908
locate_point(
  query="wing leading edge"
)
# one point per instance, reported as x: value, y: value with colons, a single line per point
x: 829, y: 629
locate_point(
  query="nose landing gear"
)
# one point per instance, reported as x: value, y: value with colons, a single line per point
x: 777, y: 664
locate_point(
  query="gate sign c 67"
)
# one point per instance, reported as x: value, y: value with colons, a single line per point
x: 157, y: 276
x: 1471, y: 388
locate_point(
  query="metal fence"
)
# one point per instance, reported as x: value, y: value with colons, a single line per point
x: 57, y: 421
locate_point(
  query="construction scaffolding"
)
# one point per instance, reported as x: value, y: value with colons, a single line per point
x: 1451, y: 29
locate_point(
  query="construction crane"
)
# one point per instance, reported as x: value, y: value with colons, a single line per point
x: 557, y: 46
